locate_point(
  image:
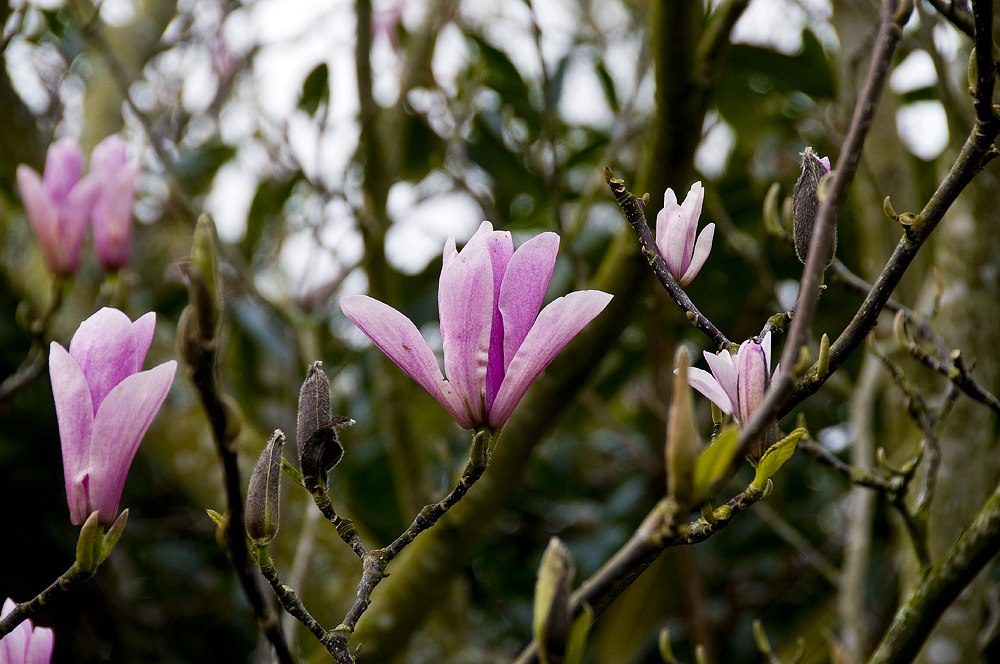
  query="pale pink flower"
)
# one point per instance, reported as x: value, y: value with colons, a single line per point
x: 736, y: 384
x: 104, y: 404
x: 59, y: 204
x: 25, y: 644
x: 676, y: 226
x: 496, y: 342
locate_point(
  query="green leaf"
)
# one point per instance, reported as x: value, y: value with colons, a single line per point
x: 775, y: 457
x: 266, y: 211
x: 289, y: 470
x: 608, y: 85
x: 315, y: 90
x: 714, y: 461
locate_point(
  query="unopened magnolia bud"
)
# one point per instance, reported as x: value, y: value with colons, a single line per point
x: 203, y: 277
x: 805, y: 204
x: 321, y: 452
x: 552, y: 610
x: 682, y: 436
x: 264, y: 493
x: 314, y: 404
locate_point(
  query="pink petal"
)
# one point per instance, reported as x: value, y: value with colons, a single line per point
x: 691, y: 212
x: 121, y: 422
x: 555, y: 326
x: 465, y: 306
x: 702, y: 248
x: 751, y: 366
x: 500, y: 248
x: 706, y: 383
x: 523, y: 290
x: 449, y: 252
x: 765, y: 343
x: 669, y: 203
x: 14, y: 644
x: 40, y: 647
x: 42, y: 213
x: 397, y: 337
x: 725, y: 373
x: 74, y: 216
x: 112, y: 216
x: 62, y: 169
x: 105, y: 348
x: 75, y: 413
x: 672, y: 240
x: 142, y: 334
x: 109, y: 155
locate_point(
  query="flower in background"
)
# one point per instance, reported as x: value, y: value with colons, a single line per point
x: 496, y: 341
x: 676, y: 226
x: 104, y: 404
x: 25, y: 645
x: 59, y: 204
x: 112, y: 212
x: 737, y: 383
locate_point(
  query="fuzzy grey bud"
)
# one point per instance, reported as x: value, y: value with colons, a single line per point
x: 264, y: 493
x: 314, y: 405
x: 805, y: 204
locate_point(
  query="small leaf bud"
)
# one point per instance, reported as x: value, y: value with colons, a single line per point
x: 552, y: 612
x: 113, y: 535
x: 805, y: 204
x: 682, y: 436
x: 85, y: 544
x: 264, y: 493
x: 203, y: 277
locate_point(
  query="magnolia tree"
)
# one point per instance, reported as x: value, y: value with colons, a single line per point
x: 758, y: 424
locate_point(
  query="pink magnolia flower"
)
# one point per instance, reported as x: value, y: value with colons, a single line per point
x: 25, y: 645
x: 675, y: 230
x: 736, y: 384
x: 496, y: 341
x: 59, y: 204
x: 112, y: 213
x: 104, y: 404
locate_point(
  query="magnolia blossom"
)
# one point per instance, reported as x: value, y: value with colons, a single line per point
x: 25, y: 645
x: 676, y: 226
x: 496, y: 341
x: 112, y: 213
x: 59, y: 204
x: 737, y: 383
x: 104, y: 404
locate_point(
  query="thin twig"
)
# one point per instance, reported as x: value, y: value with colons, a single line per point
x: 959, y: 16
x: 69, y: 580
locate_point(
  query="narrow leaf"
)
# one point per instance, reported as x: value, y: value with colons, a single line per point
x: 714, y: 460
x: 775, y: 457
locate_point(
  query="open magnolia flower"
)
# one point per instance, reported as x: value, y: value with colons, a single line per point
x: 676, y: 226
x: 496, y: 341
x: 104, y: 404
x: 26, y: 644
x: 737, y: 383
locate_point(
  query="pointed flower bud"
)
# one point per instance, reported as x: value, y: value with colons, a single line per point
x: 112, y: 213
x: 58, y: 205
x: 805, y: 204
x: 264, y: 493
x: 314, y: 404
x: 682, y: 436
x: 676, y: 226
x: 552, y: 610
x: 25, y: 644
x: 203, y: 277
